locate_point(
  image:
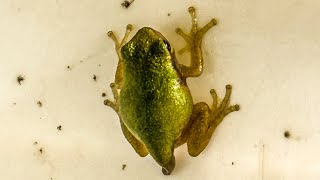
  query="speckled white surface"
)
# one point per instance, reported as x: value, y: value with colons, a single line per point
x: 268, y: 50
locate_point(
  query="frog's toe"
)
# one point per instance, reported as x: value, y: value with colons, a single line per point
x: 107, y: 102
x: 112, y: 85
x: 230, y: 109
x: 110, y: 33
x: 113, y: 37
x: 208, y: 26
x: 211, y: 23
x: 129, y: 27
x: 185, y: 36
x: 111, y: 104
x: 214, y: 98
x: 219, y: 112
x: 235, y: 107
x: 183, y: 50
x: 191, y: 9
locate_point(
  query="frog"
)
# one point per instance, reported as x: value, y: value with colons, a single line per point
x: 152, y: 99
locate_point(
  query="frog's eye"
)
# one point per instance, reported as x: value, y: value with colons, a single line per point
x: 167, y: 45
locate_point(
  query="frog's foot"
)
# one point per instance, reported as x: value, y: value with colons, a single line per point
x: 118, y: 44
x: 115, y: 103
x: 205, y: 119
x: 196, y: 33
x: 218, y: 113
x: 194, y: 40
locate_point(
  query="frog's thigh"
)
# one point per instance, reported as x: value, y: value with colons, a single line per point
x: 198, y: 136
x: 135, y: 143
x: 205, y: 119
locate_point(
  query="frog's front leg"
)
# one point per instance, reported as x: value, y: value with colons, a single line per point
x: 194, y: 40
x: 205, y: 119
x: 116, y: 90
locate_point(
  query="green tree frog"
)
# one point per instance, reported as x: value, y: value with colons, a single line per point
x: 152, y: 99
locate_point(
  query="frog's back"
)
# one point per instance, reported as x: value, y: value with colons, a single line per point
x: 155, y: 103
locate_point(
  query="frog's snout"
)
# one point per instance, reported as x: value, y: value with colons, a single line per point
x: 167, y: 170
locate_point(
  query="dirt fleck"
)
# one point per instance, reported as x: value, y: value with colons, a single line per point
x: 20, y: 78
x: 35, y: 143
x: 169, y: 14
x: 99, y: 65
x: 41, y: 150
x: 124, y: 166
x: 39, y: 103
x: 103, y: 94
x: 94, y: 77
x: 287, y: 134
x: 59, y: 127
x: 232, y: 163
x: 69, y: 67
x: 126, y: 3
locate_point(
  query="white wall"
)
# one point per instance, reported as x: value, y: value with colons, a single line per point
x: 268, y: 50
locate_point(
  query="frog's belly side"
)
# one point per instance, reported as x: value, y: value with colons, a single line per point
x: 156, y: 117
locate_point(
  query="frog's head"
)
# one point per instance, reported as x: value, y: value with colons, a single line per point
x: 147, y: 45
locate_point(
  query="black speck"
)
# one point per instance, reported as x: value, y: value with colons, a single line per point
x: 232, y: 163
x: 59, y: 127
x: 103, y: 94
x: 124, y: 166
x: 169, y: 14
x: 39, y: 103
x: 69, y: 67
x: 94, y: 77
x: 126, y: 3
x: 20, y: 78
x: 41, y: 150
x: 287, y: 134
x: 35, y: 143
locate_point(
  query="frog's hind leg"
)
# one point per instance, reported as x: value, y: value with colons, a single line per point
x: 116, y: 87
x: 205, y: 119
x: 194, y: 40
x: 135, y: 143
